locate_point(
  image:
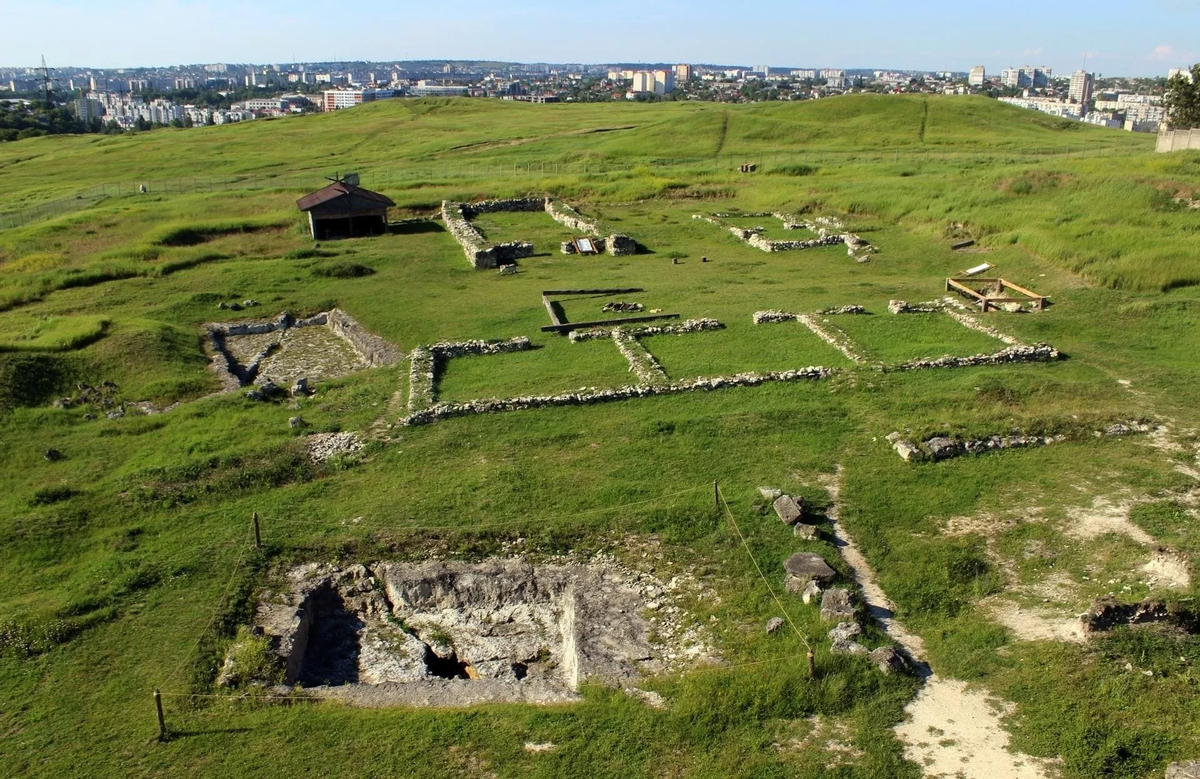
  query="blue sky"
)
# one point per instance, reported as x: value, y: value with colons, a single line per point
x: 1135, y: 37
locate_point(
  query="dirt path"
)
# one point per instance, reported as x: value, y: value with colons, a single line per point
x: 878, y: 605
x: 951, y: 731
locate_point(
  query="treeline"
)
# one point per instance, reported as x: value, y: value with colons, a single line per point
x: 18, y: 121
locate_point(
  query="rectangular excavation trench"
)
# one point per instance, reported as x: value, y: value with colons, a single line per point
x: 452, y: 634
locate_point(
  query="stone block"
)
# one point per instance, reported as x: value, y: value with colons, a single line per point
x: 770, y: 493
x: 807, y: 532
x: 837, y: 605
x: 788, y: 509
x: 889, y: 661
x: 803, y: 567
x: 774, y: 624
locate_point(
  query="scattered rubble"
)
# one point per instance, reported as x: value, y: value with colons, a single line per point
x: 321, y: 447
x: 622, y: 307
x: 1108, y: 613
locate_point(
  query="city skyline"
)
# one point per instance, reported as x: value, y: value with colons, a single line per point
x: 935, y: 36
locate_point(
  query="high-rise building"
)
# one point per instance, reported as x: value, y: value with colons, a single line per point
x: 683, y: 72
x: 1082, y: 84
x: 643, y: 81
x: 762, y: 70
x: 658, y: 82
x: 1026, y: 77
x: 88, y: 109
x: 977, y: 76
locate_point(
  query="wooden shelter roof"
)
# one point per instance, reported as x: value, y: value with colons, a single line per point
x: 347, y: 196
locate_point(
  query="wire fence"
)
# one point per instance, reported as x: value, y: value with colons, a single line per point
x: 384, y: 177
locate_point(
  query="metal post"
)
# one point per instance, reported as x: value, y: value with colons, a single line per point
x: 716, y: 496
x: 257, y: 534
x: 162, y: 724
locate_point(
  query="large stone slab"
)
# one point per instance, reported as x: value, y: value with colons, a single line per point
x: 808, y: 566
x: 788, y: 509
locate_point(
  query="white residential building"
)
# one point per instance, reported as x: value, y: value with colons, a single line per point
x: 977, y: 76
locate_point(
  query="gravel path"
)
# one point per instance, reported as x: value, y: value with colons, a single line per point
x: 951, y: 730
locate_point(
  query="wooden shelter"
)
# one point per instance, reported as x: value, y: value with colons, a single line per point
x: 344, y: 210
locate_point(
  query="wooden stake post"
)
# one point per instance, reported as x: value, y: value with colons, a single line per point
x: 257, y: 534
x: 162, y: 724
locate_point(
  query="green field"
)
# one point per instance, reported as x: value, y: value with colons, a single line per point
x: 128, y: 563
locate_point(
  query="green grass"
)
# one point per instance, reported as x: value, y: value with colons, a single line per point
x: 55, y: 334
x: 127, y: 563
x: 740, y: 348
x: 898, y: 338
x: 557, y: 365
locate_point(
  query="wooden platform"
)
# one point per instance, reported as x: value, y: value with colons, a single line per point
x: 1037, y: 302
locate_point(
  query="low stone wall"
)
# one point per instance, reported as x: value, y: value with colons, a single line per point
x: 641, y: 363
x: 1010, y: 356
x: 588, y: 397
x: 827, y: 230
x: 427, y: 361
x: 837, y: 339
x: 565, y: 215
x: 509, y: 204
x: 690, y: 326
x: 944, y: 447
x: 371, y: 348
x: 481, y: 254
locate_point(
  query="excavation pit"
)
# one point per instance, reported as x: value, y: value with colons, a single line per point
x: 445, y: 634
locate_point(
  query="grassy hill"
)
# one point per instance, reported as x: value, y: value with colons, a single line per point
x: 127, y: 562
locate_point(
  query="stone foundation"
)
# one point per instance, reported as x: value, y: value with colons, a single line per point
x: 481, y: 254
x: 372, y: 350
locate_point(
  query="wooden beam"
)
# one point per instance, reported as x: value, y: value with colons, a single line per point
x: 1022, y: 290
x: 954, y: 285
x: 566, y: 327
x: 553, y: 311
x: 624, y: 291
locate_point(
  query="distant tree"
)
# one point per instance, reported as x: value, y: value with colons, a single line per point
x: 1182, y: 101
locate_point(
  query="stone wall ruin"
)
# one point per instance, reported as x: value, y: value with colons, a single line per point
x: 829, y: 230
x: 481, y: 254
x: 369, y: 350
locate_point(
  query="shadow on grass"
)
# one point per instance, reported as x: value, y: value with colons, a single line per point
x: 415, y: 228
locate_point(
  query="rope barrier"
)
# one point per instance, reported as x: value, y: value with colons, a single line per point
x: 799, y: 633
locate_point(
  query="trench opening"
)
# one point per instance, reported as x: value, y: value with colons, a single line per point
x: 448, y: 667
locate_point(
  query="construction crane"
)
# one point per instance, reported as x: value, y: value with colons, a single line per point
x: 46, y: 83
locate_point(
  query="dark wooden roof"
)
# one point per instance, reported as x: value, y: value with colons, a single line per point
x: 343, y: 198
